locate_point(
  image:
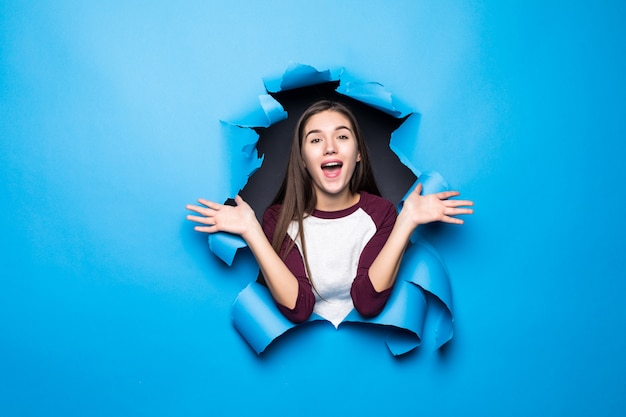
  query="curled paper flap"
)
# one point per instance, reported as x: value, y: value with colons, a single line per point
x: 423, y: 267
x: 297, y: 76
x: 432, y: 182
x: 274, y: 111
x: 268, y: 112
x: 244, y: 160
x: 404, y: 313
x: 373, y: 94
x: 403, y: 140
x: 258, y: 320
x: 225, y: 246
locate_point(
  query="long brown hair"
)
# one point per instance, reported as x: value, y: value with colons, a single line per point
x: 296, y: 194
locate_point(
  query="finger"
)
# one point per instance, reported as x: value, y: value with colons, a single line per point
x: 240, y: 201
x: 202, y: 220
x: 457, y: 203
x: 200, y: 210
x: 418, y: 188
x: 210, y: 204
x: 444, y: 195
x: 205, y: 229
x: 457, y: 211
x: 197, y: 209
x: 452, y: 220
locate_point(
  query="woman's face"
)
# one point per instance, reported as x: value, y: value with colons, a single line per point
x: 330, y: 154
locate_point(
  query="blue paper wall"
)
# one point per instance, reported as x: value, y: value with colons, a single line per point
x: 109, y: 125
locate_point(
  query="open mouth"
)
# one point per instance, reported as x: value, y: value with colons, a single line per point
x: 332, y: 169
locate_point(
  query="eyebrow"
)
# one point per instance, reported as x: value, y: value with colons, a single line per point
x: 336, y: 129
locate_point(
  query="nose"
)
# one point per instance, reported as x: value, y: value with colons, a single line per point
x: 329, y: 147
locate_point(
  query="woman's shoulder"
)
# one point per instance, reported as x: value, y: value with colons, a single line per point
x: 271, y: 214
x: 379, y: 208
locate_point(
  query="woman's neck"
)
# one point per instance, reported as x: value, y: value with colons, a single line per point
x: 342, y: 201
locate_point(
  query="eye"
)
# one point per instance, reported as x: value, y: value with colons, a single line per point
x: 344, y: 137
x: 315, y: 140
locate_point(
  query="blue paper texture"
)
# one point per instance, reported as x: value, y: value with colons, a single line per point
x: 115, y: 115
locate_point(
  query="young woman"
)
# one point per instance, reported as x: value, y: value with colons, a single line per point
x: 329, y: 243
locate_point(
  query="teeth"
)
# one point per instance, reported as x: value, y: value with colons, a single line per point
x: 331, y: 165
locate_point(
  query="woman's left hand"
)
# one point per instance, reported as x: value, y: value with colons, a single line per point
x: 422, y: 209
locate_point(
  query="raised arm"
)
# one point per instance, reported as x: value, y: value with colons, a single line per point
x: 417, y: 210
x: 240, y: 220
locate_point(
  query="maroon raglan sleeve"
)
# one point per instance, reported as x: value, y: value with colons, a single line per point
x: 367, y: 301
x: 293, y: 260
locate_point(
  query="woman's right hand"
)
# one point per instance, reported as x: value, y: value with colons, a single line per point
x: 214, y: 217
